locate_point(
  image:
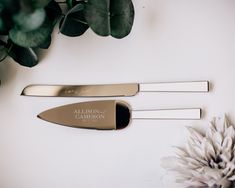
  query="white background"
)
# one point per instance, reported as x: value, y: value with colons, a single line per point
x: 171, y: 40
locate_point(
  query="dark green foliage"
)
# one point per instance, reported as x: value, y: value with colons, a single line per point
x: 24, y: 56
x: 53, y: 12
x: 33, y: 38
x: 26, y: 25
x: 74, y: 24
x: 3, y: 50
x: 110, y: 17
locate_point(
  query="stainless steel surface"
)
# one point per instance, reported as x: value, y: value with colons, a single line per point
x: 91, y: 115
x: 109, y: 115
x: 110, y: 90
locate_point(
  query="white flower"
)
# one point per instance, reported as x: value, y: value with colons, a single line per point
x: 208, y: 159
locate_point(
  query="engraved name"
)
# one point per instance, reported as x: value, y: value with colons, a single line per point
x: 70, y: 91
x: 89, y: 114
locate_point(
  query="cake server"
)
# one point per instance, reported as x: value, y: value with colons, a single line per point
x: 110, y: 114
x: 109, y: 90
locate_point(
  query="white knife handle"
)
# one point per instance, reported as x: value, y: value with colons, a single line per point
x: 200, y: 86
x: 175, y: 114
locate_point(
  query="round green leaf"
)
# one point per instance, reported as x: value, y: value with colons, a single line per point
x: 74, y: 24
x: 3, y: 50
x: 2, y: 26
x: 69, y: 3
x: 121, y: 17
x: 110, y: 17
x: 46, y: 44
x: 53, y: 11
x: 72, y: 3
x: 39, y: 3
x: 24, y: 56
x: 12, y: 5
x: 33, y: 38
x: 97, y: 15
x: 30, y: 21
x: 5, y: 21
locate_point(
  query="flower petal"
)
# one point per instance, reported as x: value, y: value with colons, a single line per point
x: 169, y: 163
x: 195, y: 134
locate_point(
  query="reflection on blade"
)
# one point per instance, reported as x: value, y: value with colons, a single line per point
x: 92, y: 115
x: 81, y: 90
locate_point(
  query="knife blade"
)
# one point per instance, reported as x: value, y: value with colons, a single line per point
x: 110, y: 90
x: 110, y: 115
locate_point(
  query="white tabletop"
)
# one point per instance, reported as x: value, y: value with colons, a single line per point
x: 171, y: 41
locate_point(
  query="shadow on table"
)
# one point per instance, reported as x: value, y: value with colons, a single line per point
x: 8, y: 71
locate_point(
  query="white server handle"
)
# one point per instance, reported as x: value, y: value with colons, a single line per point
x: 174, y: 114
x: 200, y: 86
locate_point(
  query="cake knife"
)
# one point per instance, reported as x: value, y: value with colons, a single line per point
x: 109, y: 90
x: 110, y: 114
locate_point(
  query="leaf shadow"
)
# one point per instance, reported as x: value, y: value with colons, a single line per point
x: 8, y: 71
x: 41, y: 53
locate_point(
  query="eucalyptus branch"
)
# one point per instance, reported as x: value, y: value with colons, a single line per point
x: 29, y: 30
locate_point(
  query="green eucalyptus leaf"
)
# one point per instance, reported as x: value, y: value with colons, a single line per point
x: 34, y: 4
x: 24, y: 56
x: 74, y: 24
x: 40, y: 3
x: 122, y: 18
x: 3, y: 50
x: 110, y: 17
x: 30, y: 21
x: 33, y: 38
x: 1, y: 8
x: 46, y: 44
x: 53, y: 11
x: 6, y: 22
x: 2, y: 23
x: 69, y: 3
x: 72, y: 3
x: 11, y: 5
x: 2, y: 26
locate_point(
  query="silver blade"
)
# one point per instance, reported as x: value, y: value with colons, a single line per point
x: 91, y: 115
x: 107, y: 90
